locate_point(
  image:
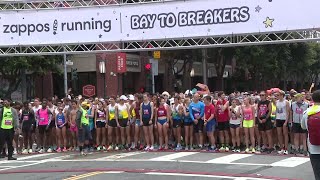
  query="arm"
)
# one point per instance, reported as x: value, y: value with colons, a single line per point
x: 253, y: 110
x: 269, y: 111
x: 152, y: 112
x: 225, y: 106
x: 78, y: 119
x: 304, y: 120
x: 116, y: 115
x: 212, y: 115
x: 190, y: 113
x: 140, y: 113
x: 288, y: 112
x: 15, y: 119
x: 202, y: 110
x: 129, y: 111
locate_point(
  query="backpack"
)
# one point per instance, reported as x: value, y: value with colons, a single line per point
x: 314, y: 129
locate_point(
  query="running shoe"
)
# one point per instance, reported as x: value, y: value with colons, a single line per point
x: 147, y: 148
x: 64, y: 149
x: 104, y: 148
x: 82, y: 153
x: 25, y: 151
x: 116, y: 148
x: 247, y: 150
x: 305, y: 153
x: 281, y: 152
x: 191, y: 148
x: 151, y: 148
x: 227, y: 149
x: 186, y: 148
x: 222, y: 149
x: 59, y: 150
x: 15, y: 152
x: 253, y: 150
x: 110, y: 148
x: 238, y: 150
x: 141, y: 147
x: 178, y: 148
x: 285, y: 152
x: 49, y: 150
x: 30, y: 151
x: 98, y: 148
x: 41, y: 150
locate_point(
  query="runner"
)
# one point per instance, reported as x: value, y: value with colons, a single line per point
x: 265, y: 124
x: 235, y: 123
x: 138, y: 123
x: 123, y: 122
x: 82, y: 121
x: 28, y: 127
x: 196, y: 110
x: 112, y: 125
x: 61, y: 129
x: 44, y: 118
x: 73, y: 125
x: 177, y: 112
x: 248, y: 124
x: 282, y: 120
x: 209, y: 121
x: 101, y: 126
x: 133, y: 118
x: 223, y: 121
x: 300, y: 135
x: 146, y: 114
x: 162, y: 118
x: 188, y: 125
x: 52, y: 128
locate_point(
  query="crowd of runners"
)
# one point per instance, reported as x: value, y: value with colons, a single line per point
x: 266, y: 122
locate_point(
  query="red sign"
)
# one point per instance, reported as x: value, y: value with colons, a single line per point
x: 89, y: 90
x: 121, y: 62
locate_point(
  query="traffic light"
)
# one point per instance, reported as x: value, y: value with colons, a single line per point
x: 74, y: 74
x: 147, y: 68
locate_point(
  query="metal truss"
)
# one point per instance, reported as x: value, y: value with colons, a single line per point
x: 169, y: 44
x: 52, y: 4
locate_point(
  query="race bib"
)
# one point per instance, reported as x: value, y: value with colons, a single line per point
x: 41, y: 119
x: 8, y: 122
x: 60, y: 121
x: 146, y: 112
x: 196, y: 115
x: 247, y: 117
x: 280, y: 110
x: 25, y: 118
x: 299, y: 111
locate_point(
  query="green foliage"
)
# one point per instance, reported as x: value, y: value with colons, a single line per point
x: 11, y: 68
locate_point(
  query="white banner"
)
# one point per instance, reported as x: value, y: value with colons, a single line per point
x: 169, y: 20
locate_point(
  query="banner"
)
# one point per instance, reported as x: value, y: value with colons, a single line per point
x: 121, y: 62
x: 89, y: 90
x: 152, y: 21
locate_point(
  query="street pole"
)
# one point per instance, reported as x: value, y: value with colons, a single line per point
x: 104, y: 85
x: 65, y: 74
x: 204, y: 66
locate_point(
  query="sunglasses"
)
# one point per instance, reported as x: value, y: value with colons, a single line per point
x: 262, y: 94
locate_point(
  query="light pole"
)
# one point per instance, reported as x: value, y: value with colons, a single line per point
x: 192, y: 75
x: 102, y: 69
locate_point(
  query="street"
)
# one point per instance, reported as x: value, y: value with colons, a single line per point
x: 156, y: 166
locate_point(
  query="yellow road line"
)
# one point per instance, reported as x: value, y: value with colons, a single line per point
x: 84, y: 175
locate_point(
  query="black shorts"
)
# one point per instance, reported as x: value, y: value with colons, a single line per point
x: 296, y: 128
x: 223, y: 126
x: 146, y: 122
x: 198, y: 128
x: 26, y: 127
x: 268, y: 125
x: 280, y: 123
x: 234, y: 126
x: 123, y: 122
x: 112, y: 123
x: 176, y: 123
x: 101, y: 124
x: 187, y: 123
x: 52, y: 124
x: 43, y: 129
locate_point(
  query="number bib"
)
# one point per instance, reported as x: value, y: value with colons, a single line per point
x: 25, y: 118
x: 8, y: 122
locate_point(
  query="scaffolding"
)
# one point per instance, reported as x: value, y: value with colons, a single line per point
x: 230, y: 40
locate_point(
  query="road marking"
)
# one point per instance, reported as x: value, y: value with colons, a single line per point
x: 173, y: 156
x: 291, y: 162
x: 119, y: 156
x: 83, y: 176
x: 229, y: 158
x: 202, y: 175
x: 34, y: 156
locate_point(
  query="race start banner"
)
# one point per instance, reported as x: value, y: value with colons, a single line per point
x: 153, y: 21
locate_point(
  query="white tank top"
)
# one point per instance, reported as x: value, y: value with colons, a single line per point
x: 234, y: 119
x: 281, y: 112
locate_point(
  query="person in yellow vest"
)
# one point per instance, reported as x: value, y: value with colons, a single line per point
x: 8, y: 125
x: 82, y: 121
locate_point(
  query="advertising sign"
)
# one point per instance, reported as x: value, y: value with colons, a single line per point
x: 121, y: 63
x: 165, y: 20
x: 89, y: 90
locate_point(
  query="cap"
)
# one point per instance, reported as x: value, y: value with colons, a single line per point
x: 123, y: 97
x: 131, y: 97
x: 84, y: 103
x: 165, y: 93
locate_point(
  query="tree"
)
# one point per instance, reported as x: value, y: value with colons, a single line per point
x: 11, y: 68
x: 220, y: 57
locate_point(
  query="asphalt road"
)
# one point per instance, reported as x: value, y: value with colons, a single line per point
x: 155, y: 166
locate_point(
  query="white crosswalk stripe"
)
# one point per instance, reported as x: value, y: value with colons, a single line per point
x: 173, y: 156
x: 229, y: 158
x: 291, y: 162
